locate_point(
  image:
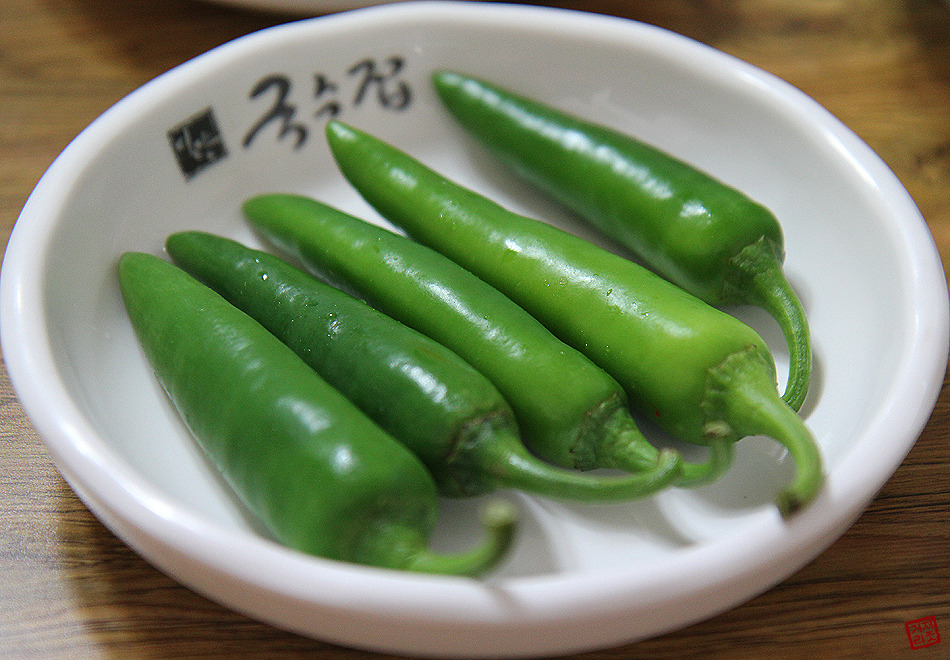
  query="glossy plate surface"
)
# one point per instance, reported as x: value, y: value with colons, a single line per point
x: 186, y: 149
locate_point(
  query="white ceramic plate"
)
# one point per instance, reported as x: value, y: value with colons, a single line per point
x: 187, y: 148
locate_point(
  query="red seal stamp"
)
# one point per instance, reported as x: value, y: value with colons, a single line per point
x: 922, y: 632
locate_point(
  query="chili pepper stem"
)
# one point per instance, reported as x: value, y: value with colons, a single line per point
x: 719, y: 460
x: 499, y: 519
x: 629, y: 450
x: 623, y: 447
x: 742, y: 401
x: 763, y: 283
x: 629, y: 457
x: 525, y: 472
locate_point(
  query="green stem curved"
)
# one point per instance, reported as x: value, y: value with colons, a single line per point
x: 721, y: 451
x: 633, y: 453
x: 510, y: 468
x: 743, y: 401
x: 499, y: 518
x: 764, y: 284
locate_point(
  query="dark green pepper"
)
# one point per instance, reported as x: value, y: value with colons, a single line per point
x: 569, y: 411
x: 699, y: 233
x: 320, y: 475
x: 420, y: 392
x: 701, y: 374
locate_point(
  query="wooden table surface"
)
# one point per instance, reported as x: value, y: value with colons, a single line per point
x: 70, y: 589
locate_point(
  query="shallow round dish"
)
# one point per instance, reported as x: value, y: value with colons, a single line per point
x: 187, y: 148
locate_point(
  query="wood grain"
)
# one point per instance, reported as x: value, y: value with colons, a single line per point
x: 69, y: 589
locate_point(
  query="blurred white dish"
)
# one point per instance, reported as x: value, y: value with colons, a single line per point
x: 186, y: 149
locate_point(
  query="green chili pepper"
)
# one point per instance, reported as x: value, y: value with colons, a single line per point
x: 316, y: 471
x: 701, y: 373
x: 570, y: 412
x: 697, y: 232
x: 420, y: 392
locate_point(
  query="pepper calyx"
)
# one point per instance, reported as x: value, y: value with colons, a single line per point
x: 741, y: 392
